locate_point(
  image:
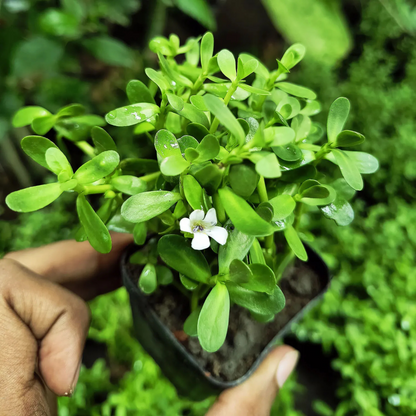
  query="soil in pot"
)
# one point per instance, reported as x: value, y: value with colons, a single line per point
x: 246, y: 338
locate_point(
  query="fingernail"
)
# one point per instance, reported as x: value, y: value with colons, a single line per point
x: 286, y: 366
x: 75, y: 380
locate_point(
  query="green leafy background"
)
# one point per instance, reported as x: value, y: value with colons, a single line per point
x: 57, y: 53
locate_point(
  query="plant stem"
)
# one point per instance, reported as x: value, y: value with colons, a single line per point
x: 219, y: 208
x: 97, y: 189
x: 227, y: 99
x: 86, y: 148
x: 194, y: 299
x: 150, y: 177
x: 261, y: 189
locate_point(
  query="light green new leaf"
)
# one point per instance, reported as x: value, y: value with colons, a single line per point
x: 175, y: 101
x: 97, y: 233
x: 293, y: 55
x: 57, y: 162
x: 193, y: 192
x: 278, y: 136
x: 268, y: 166
x: 26, y: 115
x: 239, y: 272
x: 166, y: 144
x: 140, y: 233
x: 102, y: 140
x: 338, y: 114
x: 147, y: 205
x: 194, y: 115
x: 256, y: 253
x: 339, y: 210
x: 177, y: 253
x: 33, y: 198
x: 227, y: 64
x: 207, y: 49
x: 173, y: 165
x: 158, y: 78
x: 131, y: 114
x: 35, y: 147
x: 365, y: 162
x: 137, y: 92
x: 243, y: 215
x: 348, y: 138
x: 188, y: 283
x: 191, y: 324
x: 217, y: 107
x: 42, y: 125
x: 98, y: 167
x: 128, y: 184
x: 213, y: 319
x: 296, y: 90
x: 148, y: 279
x: 253, y: 90
x: 283, y: 205
x: 208, y: 148
x: 349, y: 169
x: 295, y: 243
x: 71, y: 110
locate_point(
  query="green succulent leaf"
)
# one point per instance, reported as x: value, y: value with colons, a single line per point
x: 33, y: 198
x: 188, y: 283
x: 71, y: 110
x: 293, y: 55
x: 243, y: 216
x: 102, y: 140
x: 256, y: 253
x: 208, y: 148
x: 96, y: 231
x: 158, y: 78
x: 129, y: 185
x: 227, y: 64
x: 261, y: 279
x: 191, y: 324
x: 41, y: 125
x: 213, y: 319
x: 137, y: 92
x: 173, y: 165
x: 26, y: 115
x: 348, y: 138
x: 98, y: 167
x: 176, y: 102
x: 338, y: 114
x: 349, y: 169
x: 132, y: 114
x: 243, y: 179
x: 296, y: 90
x: 35, y: 147
x: 339, y: 210
x: 268, y: 166
x: 140, y: 233
x: 147, y: 205
x: 295, y: 243
x: 217, y: 107
x: 283, y: 205
x: 176, y: 252
x: 57, y: 162
x: 207, y: 49
x: 148, y: 279
x: 193, y: 192
x: 239, y: 272
x: 278, y: 136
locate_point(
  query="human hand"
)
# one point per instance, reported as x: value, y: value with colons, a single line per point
x: 43, y: 324
x: 256, y: 395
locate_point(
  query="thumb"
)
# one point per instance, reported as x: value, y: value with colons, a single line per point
x: 255, y: 396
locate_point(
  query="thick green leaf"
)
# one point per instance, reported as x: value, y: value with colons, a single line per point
x: 78, y: 128
x: 33, y: 198
x: 42, y: 125
x: 166, y: 144
x: 173, y: 165
x: 295, y: 243
x: 96, y: 231
x: 268, y: 166
x: 140, y: 233
x: 158, y: 78
x: 102, y: 140
x: 129, y: 185
x: 186, y: 142
x: 35, y: 147
x: 191, y: 324
x: 243, y: 179
x: 227, y: 64
x: 26, y: 115
x: 194, y: 115
x: 365, y: 162
x: 239, y: 272
x: 172, y: 74
x: 98, y: 167
x: 349, y: 169
x: 237, y: 246
x: 164, y: 275
x: 262, y: 279
x: 348, y: 138
x: 147, y: 205
x: 293, y: 55
x: 283, y: 205
x: 188, y: 283
x: 71, y: 110
x: 57, y: 162
x: 318, y: 195
x: 207, y: 49
x: 193, y: 192
x: 217, y: 107
x: 198, y: 102
x: 131, y: 114
x: 175, y: 251
x: 198, y: 131
x: 278, y: 136
x: 213, y: 319
x: 253, y: 90
x: 256, y: 253
x: 175, y: 101
x: 289, y: 152
x: 209, y: 177
x: 148, y: 279
x: 338, y: 114
x: 243, y: 216
x: 208, y: 148
x: 339, y: 210
x: 257, y: 302
x: 137, y: 92
x: 296, y: 90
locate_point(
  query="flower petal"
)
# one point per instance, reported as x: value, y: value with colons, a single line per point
x: 211, y: 217
x: 200, y: 241
x: 185, y: 225
x: 197, y: 215
x: 219, y: 234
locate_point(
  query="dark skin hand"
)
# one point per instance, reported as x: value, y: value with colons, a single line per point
x: 44, y: 322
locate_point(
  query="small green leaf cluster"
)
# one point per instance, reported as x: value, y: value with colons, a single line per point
x: 230, y: 138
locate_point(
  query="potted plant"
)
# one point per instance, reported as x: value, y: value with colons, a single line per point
x: 227, y: 163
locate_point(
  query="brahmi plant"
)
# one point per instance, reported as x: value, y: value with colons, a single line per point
x: 217, y: 208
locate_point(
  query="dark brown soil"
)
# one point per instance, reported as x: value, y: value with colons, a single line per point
x: 246, y: 338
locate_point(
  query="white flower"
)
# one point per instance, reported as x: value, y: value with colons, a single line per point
x: 203, y: 228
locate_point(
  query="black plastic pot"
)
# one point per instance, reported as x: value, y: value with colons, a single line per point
x: 177, y: 364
